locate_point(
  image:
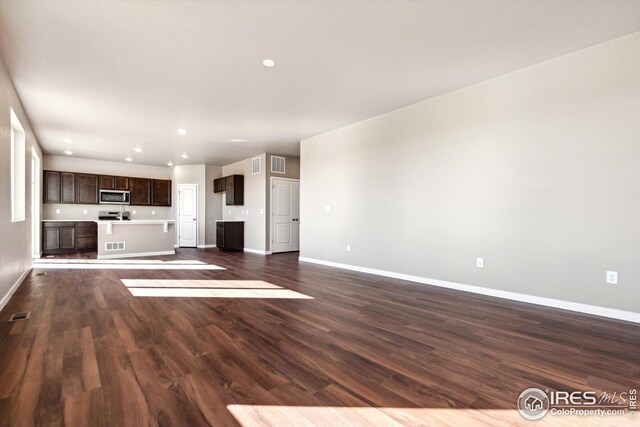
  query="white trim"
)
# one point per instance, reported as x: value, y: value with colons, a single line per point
x: 548, y: 302
x: 257, y: 251
x: 206, y: 246
x: 5, y: 299
x: 133, y: 255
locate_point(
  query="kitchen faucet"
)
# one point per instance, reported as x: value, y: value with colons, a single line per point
x: 121, y: 212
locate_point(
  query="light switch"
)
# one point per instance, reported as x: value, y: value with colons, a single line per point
x: 327, y: 208
x: 261, y: 211
x: 612, y: 277
x: 480, y: 262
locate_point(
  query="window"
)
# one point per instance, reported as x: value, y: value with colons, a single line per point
x: 256, y: 166
x: 277, y: 164
x: 18, y: 176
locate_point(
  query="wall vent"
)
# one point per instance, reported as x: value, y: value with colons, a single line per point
x: 277, y: 164
x: 256, y: 166
x: 114, y: 246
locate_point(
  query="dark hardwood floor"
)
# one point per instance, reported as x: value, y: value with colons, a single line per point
x: 353, y: 349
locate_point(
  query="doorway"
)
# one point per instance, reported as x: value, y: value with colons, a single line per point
x: 188, y: 215
x: 285, y: 215
x: 35, y: 204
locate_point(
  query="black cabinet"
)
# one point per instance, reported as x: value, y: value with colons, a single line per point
x: 233, y: 186
x: 230, y: 235
x: 86, y: 236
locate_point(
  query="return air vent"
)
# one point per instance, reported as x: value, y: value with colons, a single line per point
x: 20, y: 316
x: 256, y: 166
x: 114, y: 246
x: 41, y: 274
x: 277, y: 164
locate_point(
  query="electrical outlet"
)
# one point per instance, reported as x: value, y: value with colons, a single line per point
x: 261, y: 211
x: 57, y: 211
x: 480, y: 262
x: 612, y: 277
x: 247, y: 211
x: 327, y: 208
x: 135, y: 212
x: 153, y: 212
x: 348, y: 247
x: 86, y: 211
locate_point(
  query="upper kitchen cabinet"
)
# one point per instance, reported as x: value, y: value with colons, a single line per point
x: 219, y: 185
x: 67, y: 187
x: 114, y: 183
x: 161, y: 192
x: 140, y: 191
x: 234, y: 188
x: 87, y: 189
x: 59, y: 187
x: 51, y: 187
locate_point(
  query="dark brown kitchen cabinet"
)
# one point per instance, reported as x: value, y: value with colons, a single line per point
x: 219, y: 185
x: 234, y: 190
x: 230, y: 235
x: 122, y: 183
x: 87, y: 187
x: 107, y: 182
x: 58, y: 237
x: 140, y: 191
x: 87, y: 236
x: 161, y: 192
x: 67, y: 187
x: 51, y: 187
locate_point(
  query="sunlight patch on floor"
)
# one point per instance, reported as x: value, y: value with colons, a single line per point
x: 294, y: 416
x: 217, y: 293
x: 220, y: 284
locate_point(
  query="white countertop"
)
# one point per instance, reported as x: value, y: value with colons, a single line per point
x: 229, y: 220
x: 69, y: 220
x: 138, y: 221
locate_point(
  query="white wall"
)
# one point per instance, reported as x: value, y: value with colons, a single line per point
x: 15, y: 237
x: 537, y: 171
x: 99, y: 167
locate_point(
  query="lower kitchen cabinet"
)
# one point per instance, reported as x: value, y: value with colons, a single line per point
x: 58, y: 237
x: 230, y: 235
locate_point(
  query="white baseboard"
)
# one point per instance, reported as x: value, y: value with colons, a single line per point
x: 135, y: 255
x: 257, y: 251
x: 5, y: 299
x: 548, y: 302
x: 206, y: 246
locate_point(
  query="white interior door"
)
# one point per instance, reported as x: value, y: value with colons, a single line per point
x: 285, y: 215
x: 188, y: 215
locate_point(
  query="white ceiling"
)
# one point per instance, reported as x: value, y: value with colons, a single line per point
x: 115, y: 74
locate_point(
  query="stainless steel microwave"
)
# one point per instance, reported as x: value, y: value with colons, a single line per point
x: 114, y: 197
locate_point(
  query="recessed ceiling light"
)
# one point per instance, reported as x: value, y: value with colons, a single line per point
x: 269, y: 63
x: 68, y: 152
x: 138, y: 149
x: 182, y: 131
x: 67, y: 140
x: 129, y: 159
x: 185, y: 155
x: 237, y: 140
x: 169, y: 163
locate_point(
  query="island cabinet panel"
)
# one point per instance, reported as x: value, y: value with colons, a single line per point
x: 230, y: 235
x: 87, y: 186
x: 140, y: 191
x: 107, y: 182
x: 51, y: 187
x: 67, y: 187
x: 87, y: 236
x: 161, y: 194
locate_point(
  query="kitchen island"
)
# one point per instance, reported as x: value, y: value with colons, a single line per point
x: 135, y: 238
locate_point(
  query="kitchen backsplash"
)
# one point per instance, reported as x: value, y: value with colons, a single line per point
x: 77, y: 212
